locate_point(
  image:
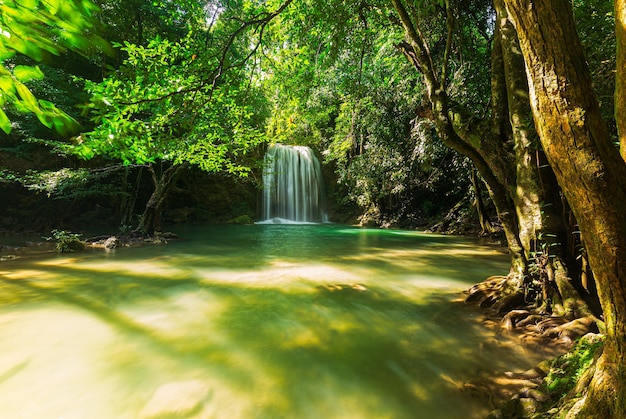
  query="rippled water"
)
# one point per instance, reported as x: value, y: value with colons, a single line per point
x: 264, y: 321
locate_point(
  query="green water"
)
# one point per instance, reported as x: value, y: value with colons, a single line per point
x: 265, y: 321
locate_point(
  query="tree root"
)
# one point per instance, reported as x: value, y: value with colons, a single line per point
x: 554, y: 328
x: 520, y: 395
x: 488, y: 292
x: 570, y: 331
x: 509, y: 385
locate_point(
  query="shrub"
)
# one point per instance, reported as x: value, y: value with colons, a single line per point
x: 66, y: 242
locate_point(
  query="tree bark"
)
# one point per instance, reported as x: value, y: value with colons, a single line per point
x: 589, y: 169
x: 151, y: 218
x: 620, y: 76
x: 483, y: 217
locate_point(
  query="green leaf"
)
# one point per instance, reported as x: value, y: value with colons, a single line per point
x: 5, y: 123
x: 26, y: 73
x: 30, y: 102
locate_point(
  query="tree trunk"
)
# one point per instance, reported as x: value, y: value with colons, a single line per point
x: 127, y: 206
x: 526, y: 190
x: 449, y: 128
x: 483, y: 217
x: 151, y: 218
x: 542, y: 229
x: 589, y: 170
x: 620, y: 76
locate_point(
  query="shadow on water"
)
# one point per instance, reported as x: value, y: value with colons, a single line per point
x: 270, y: 338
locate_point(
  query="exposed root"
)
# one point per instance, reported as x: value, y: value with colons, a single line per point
x: 487, y: 293
x: 512, y: 317
x: 570, y: 331
x: 509, y: 384
x: 521, y: 395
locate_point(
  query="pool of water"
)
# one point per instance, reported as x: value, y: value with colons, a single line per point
x: 263, y: 321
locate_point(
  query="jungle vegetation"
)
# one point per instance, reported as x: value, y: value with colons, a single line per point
x: 510, y: 110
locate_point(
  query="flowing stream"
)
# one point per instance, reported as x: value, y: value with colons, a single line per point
x: 263, y: 321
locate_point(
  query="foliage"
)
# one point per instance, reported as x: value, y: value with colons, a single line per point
x: 66, y: 242
x: 339, y: 83
x: 568, y: 369
x: 70, y: 184
x: 37, y: 29
x: 185, y: 101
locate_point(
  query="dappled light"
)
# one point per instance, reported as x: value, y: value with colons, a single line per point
x: 331, y: 328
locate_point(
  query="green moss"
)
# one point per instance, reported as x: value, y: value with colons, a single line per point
x: 566, y: 370
x: 242, y: 219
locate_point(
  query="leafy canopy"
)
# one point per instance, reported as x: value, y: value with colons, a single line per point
x: 189, y: 100
x: 36, y: 29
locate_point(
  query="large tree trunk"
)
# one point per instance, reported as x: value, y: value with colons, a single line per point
x: 535, y: 194
x: 620, y: 77
x: 589, y: 169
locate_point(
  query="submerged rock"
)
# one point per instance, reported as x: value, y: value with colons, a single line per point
x: 180, y: 399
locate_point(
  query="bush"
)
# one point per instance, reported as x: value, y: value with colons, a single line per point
x: 66, y: 242
x: 242, y: 219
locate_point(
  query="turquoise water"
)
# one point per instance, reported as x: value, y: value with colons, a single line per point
x: 264, y: 321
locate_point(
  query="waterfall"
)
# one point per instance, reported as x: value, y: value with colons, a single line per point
x: 292, y: 186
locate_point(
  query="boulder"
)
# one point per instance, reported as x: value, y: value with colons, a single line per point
x: 111, y: 243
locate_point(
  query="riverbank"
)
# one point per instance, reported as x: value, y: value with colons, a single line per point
x: 553, y: 386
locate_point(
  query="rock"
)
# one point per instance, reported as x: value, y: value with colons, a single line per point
x: 175, y: 400
x: 111, y: 243
x: 529, y: 406
x: 168, y: 235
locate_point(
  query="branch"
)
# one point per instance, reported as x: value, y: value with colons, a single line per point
x: 420, y: 54
x: 446, y: 54
x: 260, y: 20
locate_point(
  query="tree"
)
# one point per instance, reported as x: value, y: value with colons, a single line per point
x: 183, y: 102
x: 503, y: 147
x: 620, y: 85
x: 588, y: 167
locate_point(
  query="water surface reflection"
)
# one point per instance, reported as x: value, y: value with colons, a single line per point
x: 275, y: 321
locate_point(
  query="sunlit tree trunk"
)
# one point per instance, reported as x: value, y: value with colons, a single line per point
x: 590, y: 171
x: 535, y: 194
x: 620, y: 77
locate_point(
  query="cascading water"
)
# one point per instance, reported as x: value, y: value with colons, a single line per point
x: 293, y: 186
